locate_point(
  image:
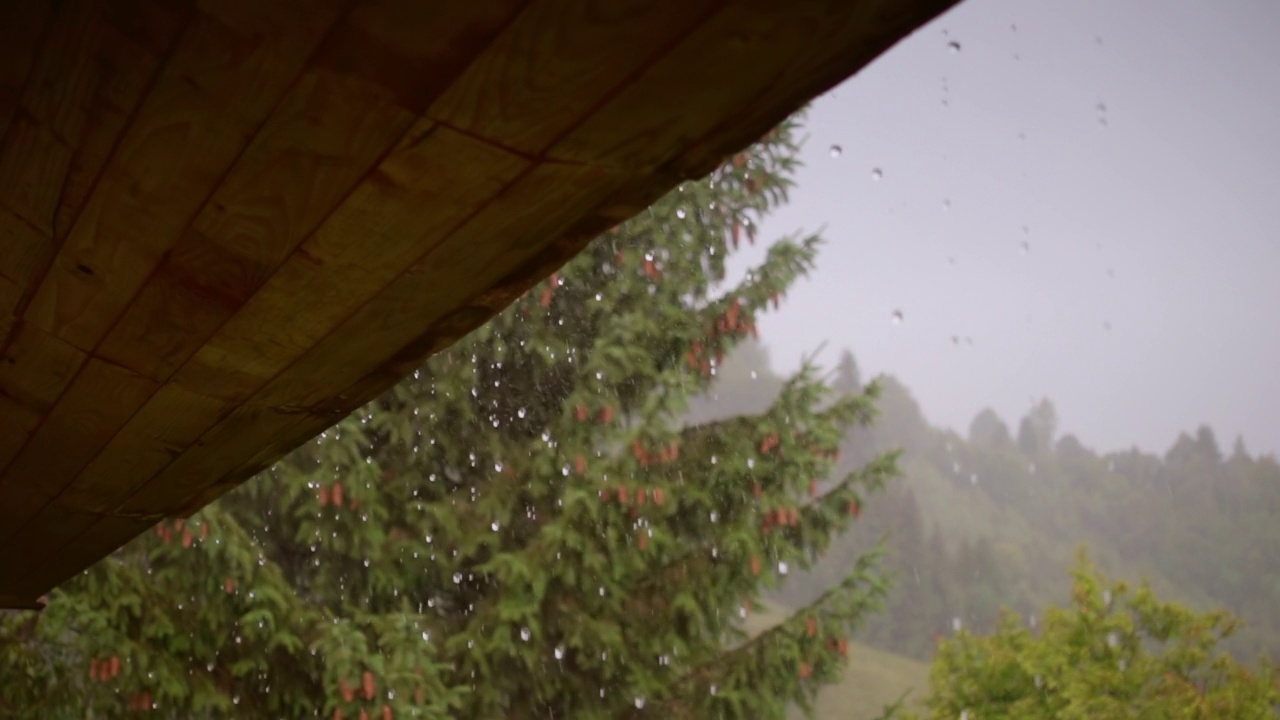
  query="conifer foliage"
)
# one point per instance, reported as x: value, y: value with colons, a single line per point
x: 525, y: 528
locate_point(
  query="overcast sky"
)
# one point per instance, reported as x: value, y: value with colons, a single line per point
x: 1089, y: 189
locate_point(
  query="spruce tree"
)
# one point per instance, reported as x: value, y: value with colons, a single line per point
x: 525, y: 528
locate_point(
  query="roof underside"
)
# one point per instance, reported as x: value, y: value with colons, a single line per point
x: 226, y: 224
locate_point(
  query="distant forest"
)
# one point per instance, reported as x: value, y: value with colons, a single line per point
x: 993, y: 518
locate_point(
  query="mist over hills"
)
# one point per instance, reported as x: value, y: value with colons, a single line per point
x: 992, y: 517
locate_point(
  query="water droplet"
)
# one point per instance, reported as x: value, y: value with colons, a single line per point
x: 836, y: 150
x: 782, y: 568
x: 956, y: 624
x: 494, y: 526
x: 640, y: 702
x: 946, y: 204
x: 953, y: 46
x: 457, y: 578
x: 897, y: 317
x: 876, y: 173
x: 713, y: 688
x: 680, y: 213
x: 559, y: 652
x: 525, y: 634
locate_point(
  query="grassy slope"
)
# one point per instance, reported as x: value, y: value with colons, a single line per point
x: 872, y: 679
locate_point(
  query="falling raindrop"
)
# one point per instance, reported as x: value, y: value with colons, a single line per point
x: 782, y: 568
x: 956, y: 624
x: 524, y: 634
x: 946, y: 204
x: 640, y: 702
x: 559, y: 652
x: 953, y: 46
x: 494, y: 526
x: 876, y: 173
x: 836, y: 150
x: 897, y: 317
x: 457, y: 578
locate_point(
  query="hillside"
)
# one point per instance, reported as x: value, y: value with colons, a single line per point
x: 873, y: 679
x: 992, y: 518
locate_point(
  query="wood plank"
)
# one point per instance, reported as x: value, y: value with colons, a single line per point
x: 171, y: 421
x: 106, y: 535
x: 86, y: 80
x: 684, y: 97
x: 129, y: 45
x: 220, y: 85
x: 329, y: 131
x: 223, y: 448
x: 414, y: 49
x: 33, y: 163
x: 557, y: 62
x: 98, y: 402
x: 35, y: 368
x: 542, y: 205
x: 22, y: 28
x: 537, y: 209
x: 326, y: 135
x: 26, y: 250
x: 16, y: 425
x: 431, y: 184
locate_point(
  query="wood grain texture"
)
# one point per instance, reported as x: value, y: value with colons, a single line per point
x: 514, y: 92
x: 190, y: 129
x: 23, y: 24
x: 99, y: 400
x: 224, y: 224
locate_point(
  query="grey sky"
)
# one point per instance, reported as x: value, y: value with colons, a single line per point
x: 1138, y: 143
